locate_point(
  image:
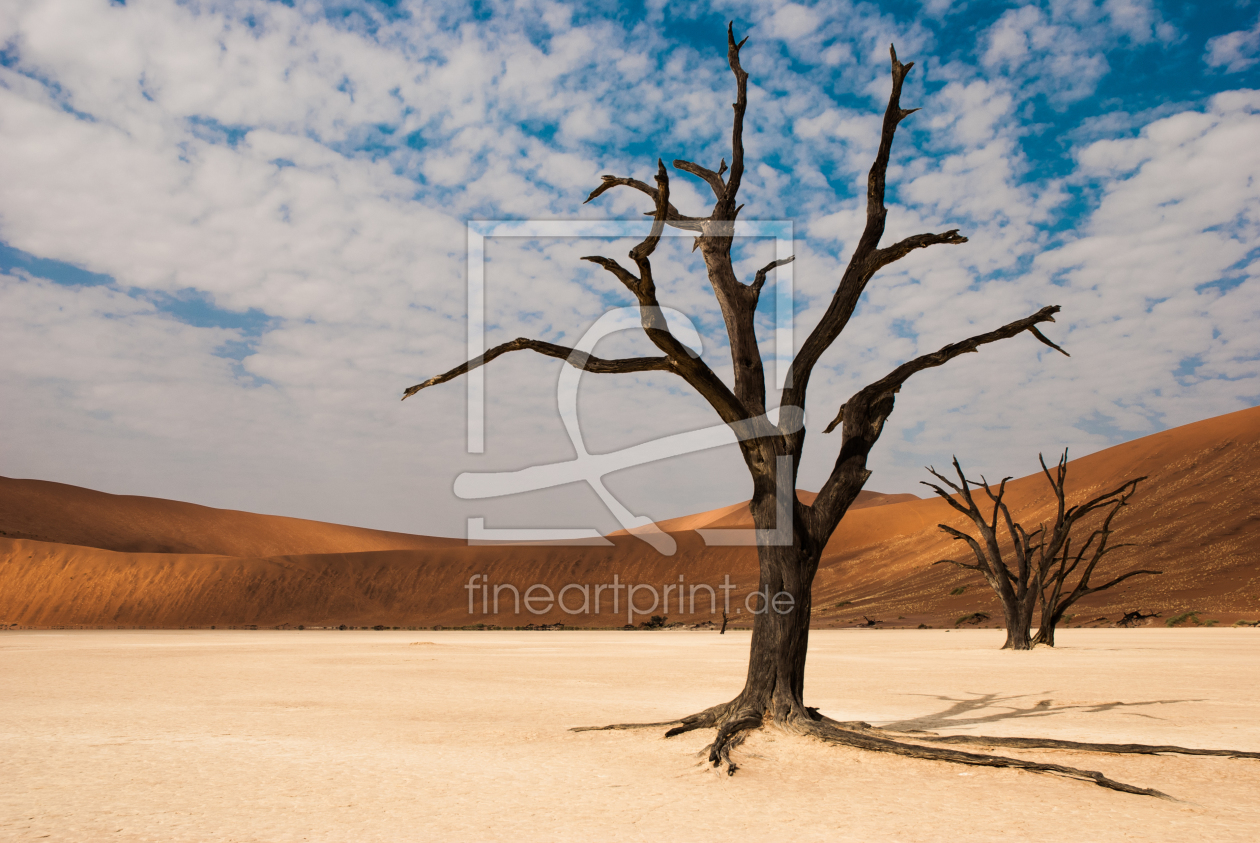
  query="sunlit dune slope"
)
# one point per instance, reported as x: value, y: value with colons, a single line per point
x: 56, y: 512
x: 48, y: 584
x: 738, y: 514
x: 1194, y: 518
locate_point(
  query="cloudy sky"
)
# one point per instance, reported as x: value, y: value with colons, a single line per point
x: 231, y: 233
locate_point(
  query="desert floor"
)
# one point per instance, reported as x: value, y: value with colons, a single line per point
x: 451, y: 736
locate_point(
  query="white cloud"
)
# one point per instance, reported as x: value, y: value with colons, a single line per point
x: 1058, y: 47
x: 1234, y: 51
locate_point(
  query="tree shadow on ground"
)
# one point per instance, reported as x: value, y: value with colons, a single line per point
x: 964, y: 713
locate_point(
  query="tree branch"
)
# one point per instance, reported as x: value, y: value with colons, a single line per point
x: 760, y: 279
x: 893, y: 381
x: 726, y: 201
x: 864, y: 414
x: 863, y: 264
x: 714, y: 180
x: 963, y: 491
x: 882, y: 257
x: 640, y: 253
x: 673, y: 217
x: 623, y: 275
x: 1120, y: 579
x: 577, y: 359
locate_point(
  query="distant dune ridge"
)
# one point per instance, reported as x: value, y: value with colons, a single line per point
x: 55, y: 512
x: 75, y: 557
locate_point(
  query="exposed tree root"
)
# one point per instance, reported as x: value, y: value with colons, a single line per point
x: 730, y: 735
x: 1114, y: 748
x: 622, y: 727
x: 864, y: 739
x: 733, y: 728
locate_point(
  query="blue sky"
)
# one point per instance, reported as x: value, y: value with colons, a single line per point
x: 232, y: 232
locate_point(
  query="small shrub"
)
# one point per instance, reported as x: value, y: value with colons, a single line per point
x: 1184, y: 617
x: 975, y: 618
x: 959, y: 590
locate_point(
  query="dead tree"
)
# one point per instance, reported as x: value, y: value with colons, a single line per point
x: 1135, y: 617
x: 1043, y: 559
x: 1055, y: 595
x: 774, y: 687
x: 1016, y: 588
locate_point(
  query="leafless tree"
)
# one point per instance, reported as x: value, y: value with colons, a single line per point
x: 774, y: 688
x: 1017, y: 589
x: 1043, y: 560
x: 1055, y: 595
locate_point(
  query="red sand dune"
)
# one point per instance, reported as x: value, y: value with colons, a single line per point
x: 79, y: 557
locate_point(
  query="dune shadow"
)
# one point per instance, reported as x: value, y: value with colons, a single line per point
x: 992, y: 708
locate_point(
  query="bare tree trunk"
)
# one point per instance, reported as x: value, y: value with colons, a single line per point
x: 1050, y: 619
x: 775, y: 684
x: 1018, y: 629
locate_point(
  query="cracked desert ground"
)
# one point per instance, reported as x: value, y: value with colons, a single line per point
x: 453, y: 736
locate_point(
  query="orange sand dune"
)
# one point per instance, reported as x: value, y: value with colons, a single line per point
x: 739, y: 515
x: 55, y: 512
x: 1194, y: 518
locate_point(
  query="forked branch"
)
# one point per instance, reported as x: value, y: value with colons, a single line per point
x: 863, y: 417
x: 685, y: 362
x: 760, y: 279
x: 867, y: 257
x: 673, y: 217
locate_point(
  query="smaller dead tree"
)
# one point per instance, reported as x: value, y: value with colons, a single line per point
x: 1135, y: 617
x: 1016, y: 587
x: 1056, y: 596
x: 1043, y: 560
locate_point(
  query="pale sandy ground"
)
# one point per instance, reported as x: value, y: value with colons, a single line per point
x: 366, y: 736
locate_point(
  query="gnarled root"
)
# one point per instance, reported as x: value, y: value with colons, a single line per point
x: 734, y: 721
x: 730, y: 735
